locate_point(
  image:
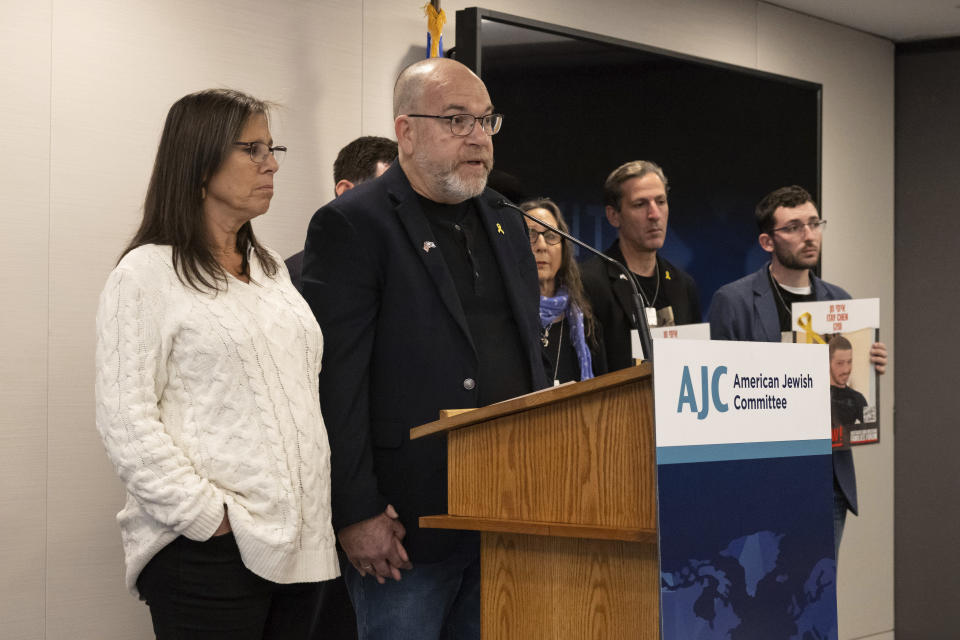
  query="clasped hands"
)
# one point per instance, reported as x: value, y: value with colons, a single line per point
x: 374, y: 546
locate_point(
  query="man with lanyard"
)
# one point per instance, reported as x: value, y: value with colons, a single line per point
x: 757, y: 307
x: 635, y: 199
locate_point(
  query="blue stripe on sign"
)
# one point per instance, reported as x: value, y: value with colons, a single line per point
x: 742, y: 451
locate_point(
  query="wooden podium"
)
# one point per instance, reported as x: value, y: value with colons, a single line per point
x: 561, y: 484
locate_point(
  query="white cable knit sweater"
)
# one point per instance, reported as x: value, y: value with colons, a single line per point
x: 206, y: 400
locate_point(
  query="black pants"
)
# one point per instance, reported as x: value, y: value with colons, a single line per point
x: 201, y: 590
x: 335, y: 617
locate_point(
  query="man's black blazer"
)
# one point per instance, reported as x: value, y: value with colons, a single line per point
x: 397, y: 347
x: 611, y: 298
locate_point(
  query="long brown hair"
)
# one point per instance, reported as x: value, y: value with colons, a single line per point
x: 569, y: 273
x: 200, y: 129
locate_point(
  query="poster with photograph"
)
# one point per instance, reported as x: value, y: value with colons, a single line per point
x: 848, y: 328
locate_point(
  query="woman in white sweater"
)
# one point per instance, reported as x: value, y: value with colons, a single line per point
x: 207, y: 400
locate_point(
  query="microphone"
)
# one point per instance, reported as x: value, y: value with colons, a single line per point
x: 640, y: 316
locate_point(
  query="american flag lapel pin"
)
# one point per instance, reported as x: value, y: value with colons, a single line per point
x: 427, y: 246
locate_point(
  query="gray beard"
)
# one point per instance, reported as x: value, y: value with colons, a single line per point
x: 445, y: 181
x: 453, y: 186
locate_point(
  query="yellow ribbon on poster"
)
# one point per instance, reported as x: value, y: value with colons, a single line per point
x: 435, y: 21
x: 806, y: 323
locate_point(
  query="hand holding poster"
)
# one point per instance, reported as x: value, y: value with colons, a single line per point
x: 849, y: 328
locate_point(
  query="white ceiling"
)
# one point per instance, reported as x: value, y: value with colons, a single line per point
x: 897, y: 20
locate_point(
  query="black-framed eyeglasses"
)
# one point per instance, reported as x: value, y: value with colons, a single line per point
x: 550, y: 237
x: 259, y: 151
x: 461, y: 124
x: 796, y: 227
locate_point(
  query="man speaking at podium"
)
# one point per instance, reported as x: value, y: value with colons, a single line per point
x: 427, y: 295
x: 758, y: 307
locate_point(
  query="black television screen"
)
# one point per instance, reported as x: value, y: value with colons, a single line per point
x: 576, y: 105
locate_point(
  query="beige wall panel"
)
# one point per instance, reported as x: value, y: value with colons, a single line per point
x: 25, y: 167
x: 394, y: 35
x: 117, y: 67
x: 856, y: 71
x: 320, y: 72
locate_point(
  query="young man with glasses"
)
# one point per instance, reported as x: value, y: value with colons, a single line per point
x: 635, y: 195
x: 757, y: 307
x: 426, y: 293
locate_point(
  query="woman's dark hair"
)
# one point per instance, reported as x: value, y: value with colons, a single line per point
x: 569, y: 273
x: 199, y: 132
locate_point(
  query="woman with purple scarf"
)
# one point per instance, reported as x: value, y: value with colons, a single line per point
x: 572, y: 345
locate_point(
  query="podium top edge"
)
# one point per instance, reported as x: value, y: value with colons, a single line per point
x: 533, y: 400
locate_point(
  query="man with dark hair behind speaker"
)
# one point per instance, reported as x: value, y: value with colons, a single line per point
x: 364, y: 159
x: 635, y: 199
x: 757, y: 307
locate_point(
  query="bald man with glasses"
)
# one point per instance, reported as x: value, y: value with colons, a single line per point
x: 426, y: 292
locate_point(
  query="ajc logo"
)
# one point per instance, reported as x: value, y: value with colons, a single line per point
x: 710, y: 390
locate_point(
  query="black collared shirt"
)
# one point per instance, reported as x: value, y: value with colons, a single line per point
x: 504, y: 371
